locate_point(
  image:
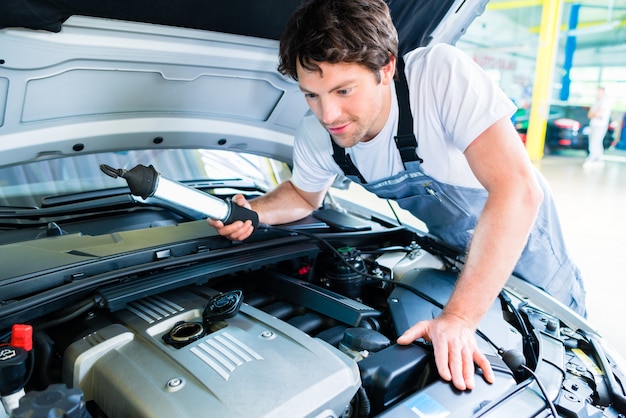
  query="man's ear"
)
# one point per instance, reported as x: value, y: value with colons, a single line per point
x: 388, y: 71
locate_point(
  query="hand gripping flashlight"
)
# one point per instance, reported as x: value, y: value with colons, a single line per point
x: 147, y: 185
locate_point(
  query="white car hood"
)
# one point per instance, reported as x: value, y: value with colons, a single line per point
x: 103, y: 84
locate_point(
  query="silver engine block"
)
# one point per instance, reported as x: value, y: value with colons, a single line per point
x: 250, y: 365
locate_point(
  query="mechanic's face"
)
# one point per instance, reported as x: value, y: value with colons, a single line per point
x: 348, y: 100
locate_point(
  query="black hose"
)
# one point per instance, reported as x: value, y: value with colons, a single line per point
x: 618, y: 399
x: 84, y: 307
x: 365, y: 407
x: 43, y: 343
x: 543, y: 390
x: 526, y: 335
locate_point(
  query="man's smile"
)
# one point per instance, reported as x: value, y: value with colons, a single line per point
x: 338, y: 129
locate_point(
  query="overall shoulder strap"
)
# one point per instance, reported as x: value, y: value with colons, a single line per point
x: 344, y: 162
x: 405, y: 137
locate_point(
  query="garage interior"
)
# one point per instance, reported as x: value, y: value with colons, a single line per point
x: 586, y: 48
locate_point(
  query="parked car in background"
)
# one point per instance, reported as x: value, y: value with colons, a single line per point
x: 567, y: 127
x: 115, y: 303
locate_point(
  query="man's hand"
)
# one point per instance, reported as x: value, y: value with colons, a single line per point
x: 455, y: 348
x: 238, y: 230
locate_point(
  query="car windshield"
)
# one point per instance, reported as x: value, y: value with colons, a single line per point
x: 575, y: 112
x: 578, y: 113
x: 26, y: 185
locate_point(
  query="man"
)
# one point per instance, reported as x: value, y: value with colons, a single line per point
x: 475, y: 181
x: 599, y: 117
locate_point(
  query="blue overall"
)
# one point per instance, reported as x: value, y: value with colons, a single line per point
x: 451, y: 213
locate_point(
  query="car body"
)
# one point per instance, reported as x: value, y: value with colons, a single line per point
x: 138, y: 308
x: 567, y: 127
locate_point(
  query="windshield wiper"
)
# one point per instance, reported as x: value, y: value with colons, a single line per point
x: 97, y: 201
x: 207, y: 185
x: 84, y: 206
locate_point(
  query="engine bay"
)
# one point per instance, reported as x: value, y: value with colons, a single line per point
x: 299, y: 321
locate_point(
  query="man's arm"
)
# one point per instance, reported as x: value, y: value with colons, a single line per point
x: 286, y: 203
x: 598, y: 110
x: 595, y: 111
x: 499, y: 161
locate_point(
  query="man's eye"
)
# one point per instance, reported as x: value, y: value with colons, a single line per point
x: 344, y: 91
x: 310, y: 95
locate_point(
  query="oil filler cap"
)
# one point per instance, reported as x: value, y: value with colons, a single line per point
x: 222, y: 306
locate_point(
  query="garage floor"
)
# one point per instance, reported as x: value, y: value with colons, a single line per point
x: 592, y: 206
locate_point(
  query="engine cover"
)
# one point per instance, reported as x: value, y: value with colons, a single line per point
x: 253, y: 365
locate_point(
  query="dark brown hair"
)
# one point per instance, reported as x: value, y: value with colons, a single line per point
x: 334, y: 31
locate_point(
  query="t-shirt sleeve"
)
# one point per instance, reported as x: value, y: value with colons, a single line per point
x: 467, y: 100
x: 313, y: 169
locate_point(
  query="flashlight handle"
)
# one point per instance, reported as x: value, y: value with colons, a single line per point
x: 198, y: 203
x: 146, y: 184
x: 239, y: 213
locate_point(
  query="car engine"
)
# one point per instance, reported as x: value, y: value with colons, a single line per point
x: 297, y: 322
x: 159, y: 360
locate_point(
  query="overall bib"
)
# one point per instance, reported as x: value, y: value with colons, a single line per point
x: 451, y: 213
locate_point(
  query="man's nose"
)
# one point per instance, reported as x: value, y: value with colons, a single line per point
x: 329, y: 110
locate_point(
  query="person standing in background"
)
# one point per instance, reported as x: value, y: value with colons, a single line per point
x: 599, y: 116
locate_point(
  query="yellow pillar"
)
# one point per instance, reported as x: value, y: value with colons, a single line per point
x: 540, y: 105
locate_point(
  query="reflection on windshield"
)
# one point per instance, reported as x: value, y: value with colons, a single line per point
x: 27, y: 184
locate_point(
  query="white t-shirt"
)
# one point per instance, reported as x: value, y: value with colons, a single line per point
x: 602, y: 108
x: 452, y: 102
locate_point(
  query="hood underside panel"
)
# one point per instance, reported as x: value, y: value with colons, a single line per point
x: 264, y: 19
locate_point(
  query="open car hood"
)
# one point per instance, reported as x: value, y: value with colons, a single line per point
x: 85, y: 77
